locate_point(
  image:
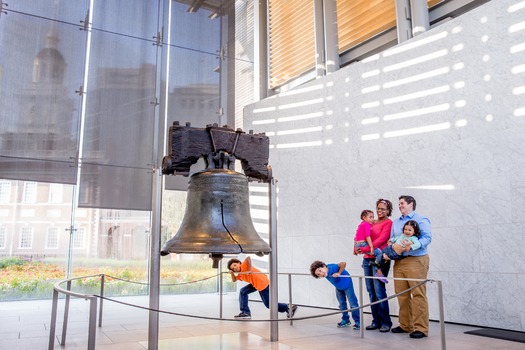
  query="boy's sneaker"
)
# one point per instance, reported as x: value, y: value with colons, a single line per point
x: 382, y: 278
x: 243, y: 316
x: 356, y: 327
x: 292, y: 311
x: 343, y: 324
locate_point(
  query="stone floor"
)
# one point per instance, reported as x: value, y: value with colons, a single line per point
x: 25, y: 325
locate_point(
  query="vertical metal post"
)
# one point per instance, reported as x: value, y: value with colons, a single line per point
x: 154, y: 273
x: 361, y: 326
x: 102, y: 278
x: 330, y: 36
x: 290, y: 301
x: 419, y: 13
x: 66, y: 315
x: 441, y: 316
x: 320, y: 69
x: 220, y: 289
x: 274, y: 325
x: 52, y: 325
x: 403, y: 20
x: 261, y: 69
x: 92, y: 323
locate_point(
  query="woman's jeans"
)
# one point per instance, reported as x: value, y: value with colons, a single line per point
x: 342, y: 295
x: 265, y: 297
x: 377, y: 291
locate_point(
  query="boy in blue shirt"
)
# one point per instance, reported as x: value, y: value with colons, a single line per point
x: 344, y: 289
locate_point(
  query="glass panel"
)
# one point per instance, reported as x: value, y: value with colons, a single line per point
x: 34, y: 240
x: 39, y: 117
x: 194, y: 67
x: 120, y: 108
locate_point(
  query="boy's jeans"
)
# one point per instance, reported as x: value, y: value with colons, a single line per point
x: 349, y: 294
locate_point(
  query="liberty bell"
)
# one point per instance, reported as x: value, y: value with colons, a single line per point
x: 217, y: 219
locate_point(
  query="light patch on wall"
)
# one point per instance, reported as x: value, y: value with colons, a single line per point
x: 371, y: 73
x: 266, y: 109
x: 370, y: 121
x: 371, y: 58
x: 417, y: 112
x: 518, y: 69
x: 269, y: 133
x: 488, y: 97
x: 328, y: 142
x: 458, y: 66
x: 369, y: 137
x: 301, y: 104
x: 419, y: 130
x: 415, y: 61
x: 486, y: 77
x: 519, y: 112
x: 459, y: 85
x: 457, y: 47
x: 516, y: 7
x: 370, y: 105
x: 419, y: 94
x: 300, y: 131
x: 415, y: 44
x: 302, y: 90
x: 489, y: 118
x: 300, y: 117
x: 448, y: 187
x: 484, y: 38
x: 370, y: 89
x: 460, y: 123
x: 457, y: 30
x: 460, y: 103
x: 517, y: 48
x: 418, y: 77
x: 263, y: 121
x: 517, y: 27
x: 300, y: 144
x: 486, y: 58
x: 520, y: 90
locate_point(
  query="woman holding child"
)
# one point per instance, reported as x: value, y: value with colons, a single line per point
x: 380, y: 234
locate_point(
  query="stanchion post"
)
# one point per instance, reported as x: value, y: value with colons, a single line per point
x: 220, y: 289
x: 52, y: 326
x: 361, y: 326
x: 274, y: 326
x: 290, y: 295
x: 66, y: 314
x: 92, y: 323
x: 102, y: 279
x: 441, y: 316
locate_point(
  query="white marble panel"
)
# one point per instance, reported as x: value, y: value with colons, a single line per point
x: 443, y: 130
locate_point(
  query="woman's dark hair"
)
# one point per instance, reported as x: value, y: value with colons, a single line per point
x: 231, y: 261
x: 389, y: 206
x: 409, y: 199
x: 365, y: 212
x: 315, y: 265
x: 415, y: 225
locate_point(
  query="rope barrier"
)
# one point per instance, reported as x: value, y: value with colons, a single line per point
x: 263, y: 320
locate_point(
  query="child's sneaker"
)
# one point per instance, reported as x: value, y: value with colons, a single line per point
x: 356, y: 327
x: 291, y: 312
x: 243, y: 316
x: 381, y: 278
x: 343, y: 324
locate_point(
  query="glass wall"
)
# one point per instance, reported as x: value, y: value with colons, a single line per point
x: 88, y: 89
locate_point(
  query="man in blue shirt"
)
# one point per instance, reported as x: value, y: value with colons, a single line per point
x: 344, y: 288
x: 413, y: 305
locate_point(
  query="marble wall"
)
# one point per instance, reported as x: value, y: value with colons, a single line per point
x: 440, y: 117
